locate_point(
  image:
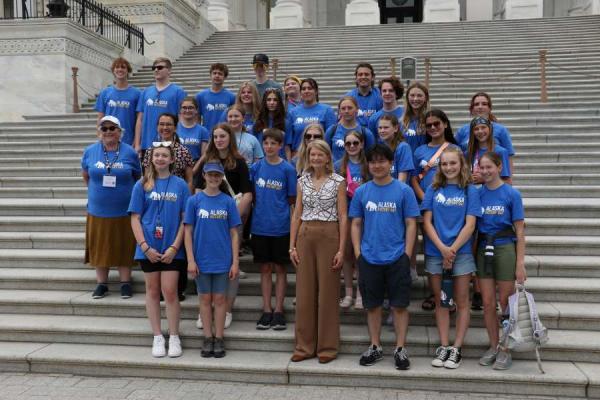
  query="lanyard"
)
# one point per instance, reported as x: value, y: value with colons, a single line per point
x: 161, y: 201
x: 109, y: 164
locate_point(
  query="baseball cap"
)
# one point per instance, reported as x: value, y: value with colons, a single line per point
x: 110, y: 118
x: 260, y: 59
x: 213, y: 167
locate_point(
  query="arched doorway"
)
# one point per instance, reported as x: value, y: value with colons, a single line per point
x: 400, y: 11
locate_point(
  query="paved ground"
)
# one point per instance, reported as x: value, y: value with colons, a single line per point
x: 26, y: 386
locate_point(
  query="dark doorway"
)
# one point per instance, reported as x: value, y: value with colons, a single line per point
x: 400, y: 11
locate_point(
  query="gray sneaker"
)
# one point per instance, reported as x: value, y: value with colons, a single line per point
x: 488, y: 357
x: 503, y: 360
x: 208, y: 347
x: 219, y: 348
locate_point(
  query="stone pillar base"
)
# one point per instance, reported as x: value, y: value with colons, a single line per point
x: 362, y: 12
x: 441, y: 11
x: 523, y: 9
x: 288, y: 14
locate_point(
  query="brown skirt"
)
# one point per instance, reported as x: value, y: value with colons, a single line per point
x: 109, y: 242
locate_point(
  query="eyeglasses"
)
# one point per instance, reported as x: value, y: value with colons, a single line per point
x: 435, y: 124
x: 111, y: 128
x: 158, y: 67
x: 162, y: 144
x: 191, y: 108
x: 312, y: 137
x: 352, y: 144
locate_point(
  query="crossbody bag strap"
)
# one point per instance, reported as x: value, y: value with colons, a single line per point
x: 431, y: 162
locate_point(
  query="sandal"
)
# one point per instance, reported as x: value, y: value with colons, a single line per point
x: 429, y: 303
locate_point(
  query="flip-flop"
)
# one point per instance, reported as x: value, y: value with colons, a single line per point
x: 429, y: 303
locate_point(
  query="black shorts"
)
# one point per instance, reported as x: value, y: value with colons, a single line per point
x: 270, y: 249
x: 176, y: 265
x: 375, y: 281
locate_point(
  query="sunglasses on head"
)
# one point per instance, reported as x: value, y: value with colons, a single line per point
x: 433, y: 124
x: 111, y: 128
x: 158, y: 67
x: 162, y: 144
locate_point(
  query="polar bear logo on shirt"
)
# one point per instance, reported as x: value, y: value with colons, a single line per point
x: 149, y: 102
x: 260, y: 182
x: 210, y: 107
x: 203, y: 213
x: 410, y: 132
x: 299, y: 120
x: 112, y: 103
x: 154, y: 196
x: 370, y: 206
x: 440, y: 198
x: 99, y: 165
x: 339, y: 143
x: 360, y: 113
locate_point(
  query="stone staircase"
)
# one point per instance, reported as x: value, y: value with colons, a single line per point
x: 49, y: 323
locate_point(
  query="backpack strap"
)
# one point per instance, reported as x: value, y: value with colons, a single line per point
x: 537, y: 327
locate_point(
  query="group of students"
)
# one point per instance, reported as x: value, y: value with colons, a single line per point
x: 326, y: 192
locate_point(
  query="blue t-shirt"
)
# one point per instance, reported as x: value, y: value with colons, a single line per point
x: 355, y: 171
x: 374, y: 119
x: 153, y: 103
x: 500, y: 207
x: 273, y: 186
x: 367, y: 105
x: 212, y: 217
x: 449, y: 207
x: 502, y: 152
x: 421, y: 157
x: 121, y: 103
x: 248, y: 122
x: 110, y: 202
x: 286, y: 132
x: 302, y: 115
x: 501, y: 137
x: 164, y: 204
x: 211, y: 106
x: 413, y: 136
x: 383, y: 210
x: 192, y: 138
x: 248, y: 147
x: 336, y: 135
x: 403, y: 160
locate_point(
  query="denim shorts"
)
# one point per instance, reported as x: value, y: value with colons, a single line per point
x: 464, y: 264
x: 212, y: 283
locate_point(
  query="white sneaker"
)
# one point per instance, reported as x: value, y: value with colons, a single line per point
x: 175, y: 346
x: 413, y: 273
x: 242, y: 274
x: 158, y: 346
x: 199, y: 324
x: 228, y: 319
x: 346, y: 302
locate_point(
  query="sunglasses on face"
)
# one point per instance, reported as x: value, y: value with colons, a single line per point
x: 188, y: 108
x: 162, y: 144
x: 158, y: 67
x: 435, y: 124
x: 312, y: 137
x: 352, y: 144
x: 111, y: 128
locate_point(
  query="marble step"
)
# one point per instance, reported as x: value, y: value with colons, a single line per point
x: 47, y: 192
x: 566, y: 379
x: 564, y: 345
x: 35, y: 181
x: 72, y: 170
x: 42, y: 207
x: 562, y: 227
x: 33, y: 160
x: 544, y: 191
x: 42, y: 240
x: 248, y: 309
x: 559, y: 289
x: 41, y: 224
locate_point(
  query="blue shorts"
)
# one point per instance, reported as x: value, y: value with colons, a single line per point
x: 464, y: 264
x: 212, y: 283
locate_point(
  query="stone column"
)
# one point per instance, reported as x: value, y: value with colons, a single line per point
x: 219, y: 14
x: 362, y: 12
x: 584, y: 7
x: 481, y: 10
x: 441, y: 11
x: 287, y: 14
x: 521, y: 9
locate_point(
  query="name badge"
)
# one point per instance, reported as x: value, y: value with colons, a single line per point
x: 109, y: 181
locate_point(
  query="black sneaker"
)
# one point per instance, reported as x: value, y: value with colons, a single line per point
x: 181, y: 297
x: 441, y: 355
x: 265, y: 321
x: 278, y: 322
x: 454, y: 358
x: 100, y: 291
x: 207, y: 350
x: 476, y: 301
x: 401, y: 359
x: 219, y: 348
x: 371, y: 356
x: 126, y: 290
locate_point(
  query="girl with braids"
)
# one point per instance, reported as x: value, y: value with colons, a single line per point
x: 389, y: 134
x: 481, y: 140
x: 451, y: 207
x: 353, y: 166
x: 272, y: 115
x: 416, y: 103
x: 156, y: 208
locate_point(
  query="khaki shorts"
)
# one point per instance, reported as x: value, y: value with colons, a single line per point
x: 505, y: 263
